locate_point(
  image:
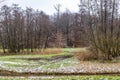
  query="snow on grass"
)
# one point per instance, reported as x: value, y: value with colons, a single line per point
x: 20, y: 63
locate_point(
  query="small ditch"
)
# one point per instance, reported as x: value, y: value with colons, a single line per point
x: 12, y: 73
x: 53, y: 58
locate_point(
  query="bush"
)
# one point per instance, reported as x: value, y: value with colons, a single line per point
x: 90, y: 54
x: 85, y: 56
x: 99, y: 54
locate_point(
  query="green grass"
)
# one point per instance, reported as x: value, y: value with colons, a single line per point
x: 87, y: 78
x: 64, y: 78
x: 19, y: 62
x: 60, y: 64
x: 14, y: 62
x: 11, y: 57
x: 65, y: 49
x: 31, y: 56
x: 23, y: 64
x: 73, y: 49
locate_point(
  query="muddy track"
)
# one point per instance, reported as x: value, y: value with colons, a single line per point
x: 53, y: 58
x: 12, y: 73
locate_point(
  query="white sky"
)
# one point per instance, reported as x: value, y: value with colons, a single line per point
x: 46, y: 5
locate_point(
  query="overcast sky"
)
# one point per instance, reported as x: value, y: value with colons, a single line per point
x: 46, y: 5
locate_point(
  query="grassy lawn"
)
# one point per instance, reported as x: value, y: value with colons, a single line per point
x: 21, y: 62
x: 63, y: 78
x: 48, y: 63
x: 64, y: 49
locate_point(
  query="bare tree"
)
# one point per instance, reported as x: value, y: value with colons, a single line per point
x: 103, y: 16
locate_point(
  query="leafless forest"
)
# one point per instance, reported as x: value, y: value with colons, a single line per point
x: 96, y: 25
x: 67, y: 45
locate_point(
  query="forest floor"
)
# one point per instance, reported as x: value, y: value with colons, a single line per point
x: 60, y: 64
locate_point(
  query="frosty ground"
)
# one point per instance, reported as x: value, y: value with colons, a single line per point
x: 60, y: 64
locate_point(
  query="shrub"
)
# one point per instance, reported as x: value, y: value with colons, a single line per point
x: 85, y: 56
x: 99, y: 54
